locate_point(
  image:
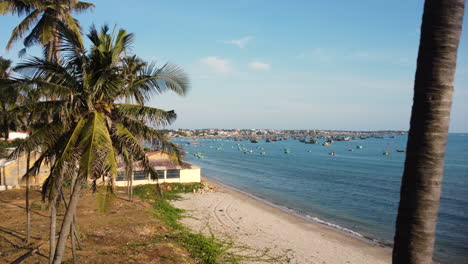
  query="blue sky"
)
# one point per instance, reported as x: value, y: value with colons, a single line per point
x: 282, y: 64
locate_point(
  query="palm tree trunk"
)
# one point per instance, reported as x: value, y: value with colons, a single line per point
x: 5, y: 127
x: 67, y: 221
x: 424, y: 164
x: 73, y: 245
x: 53, y: 228
x: 131, y: 186
x: 28, y: 211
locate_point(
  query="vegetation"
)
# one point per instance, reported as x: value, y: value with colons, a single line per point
x: 74, y: 104
x: 43, y: 21
x: 427, y: 137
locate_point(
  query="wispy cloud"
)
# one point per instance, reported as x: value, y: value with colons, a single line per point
x: 259, y: 65
x: 241, y: 43
x: 321, y: 55
x: 217, y: 64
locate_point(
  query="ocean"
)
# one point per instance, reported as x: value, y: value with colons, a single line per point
x: 355, y: 191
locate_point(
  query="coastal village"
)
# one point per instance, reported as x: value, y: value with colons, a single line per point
x: 278, y: 134
x: 96, y: 167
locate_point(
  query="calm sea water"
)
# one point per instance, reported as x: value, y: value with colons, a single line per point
x: 356, y: 190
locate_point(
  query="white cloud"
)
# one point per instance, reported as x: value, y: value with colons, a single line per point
x: 258, y: 65
x: 216, y: 64
x: 241, y: 43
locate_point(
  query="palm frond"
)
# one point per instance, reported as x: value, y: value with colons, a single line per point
x: 149, y: 115
x: 98, y: 157
x: 19, y: 31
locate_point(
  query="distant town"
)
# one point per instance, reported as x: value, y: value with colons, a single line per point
x: 277, y: 134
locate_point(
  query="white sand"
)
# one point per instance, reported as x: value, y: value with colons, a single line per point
x: 247, y: 221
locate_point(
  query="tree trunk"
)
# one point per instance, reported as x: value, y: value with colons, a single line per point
x: 424, y: 164
x: 131, y: 186
x: 53, y: 228
x: 67, y: 221
x: 5, y: 129
x: 73, y: 246
x: 28, y: 210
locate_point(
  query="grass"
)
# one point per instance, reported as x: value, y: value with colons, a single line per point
x: 206, y: 249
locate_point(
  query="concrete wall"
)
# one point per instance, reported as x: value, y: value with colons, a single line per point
x: 11, y: 174
x: 190, y: 175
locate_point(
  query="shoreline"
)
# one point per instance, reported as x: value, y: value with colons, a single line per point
x: 303, y: 216
x: 260, y: 224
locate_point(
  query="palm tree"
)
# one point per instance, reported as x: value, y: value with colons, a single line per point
x: 10, y: 97
x: 90, y: 128
x: 42, y: 18
x: 433, y: 89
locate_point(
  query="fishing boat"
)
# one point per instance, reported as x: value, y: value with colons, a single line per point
x: 312, y: 141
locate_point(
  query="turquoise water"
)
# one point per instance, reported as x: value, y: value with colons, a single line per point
x: 356, y: 190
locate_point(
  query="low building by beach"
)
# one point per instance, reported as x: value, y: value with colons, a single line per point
x: 168, y: 171
x: 13, y: 170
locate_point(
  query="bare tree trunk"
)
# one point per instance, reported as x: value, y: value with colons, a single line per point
x: 422, y: 178
x: 72, y: 237
x: 53, y: 228
x: 67, y: 221
x: 28, y: 210
x: 131, y: 186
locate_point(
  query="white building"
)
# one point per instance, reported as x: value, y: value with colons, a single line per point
x: 167, y: 169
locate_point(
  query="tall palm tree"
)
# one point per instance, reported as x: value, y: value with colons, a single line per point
x: 90, y: 128
x: 10, y: 97
x: 41, y: 21
x: 433, y: 89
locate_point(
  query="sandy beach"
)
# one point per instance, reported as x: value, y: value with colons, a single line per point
x: 263, y: 228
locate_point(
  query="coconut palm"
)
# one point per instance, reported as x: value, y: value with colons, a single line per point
x: 433, y: 89
x: 11, y: 95
x: 41, y: 22
x: 91, y: 129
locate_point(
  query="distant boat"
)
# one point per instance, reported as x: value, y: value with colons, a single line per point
x: 332, y: 153
x: 359, y: 146
x: 327, y: 143
x: 286, y: 151
x: 350, y: 149
x: 312, y: 141
x: 400, y: 150
x: 253, y: 141
x: 386, y: 153
x: 263, y: 153
x: 267, y: 140
x: 194, y: 143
